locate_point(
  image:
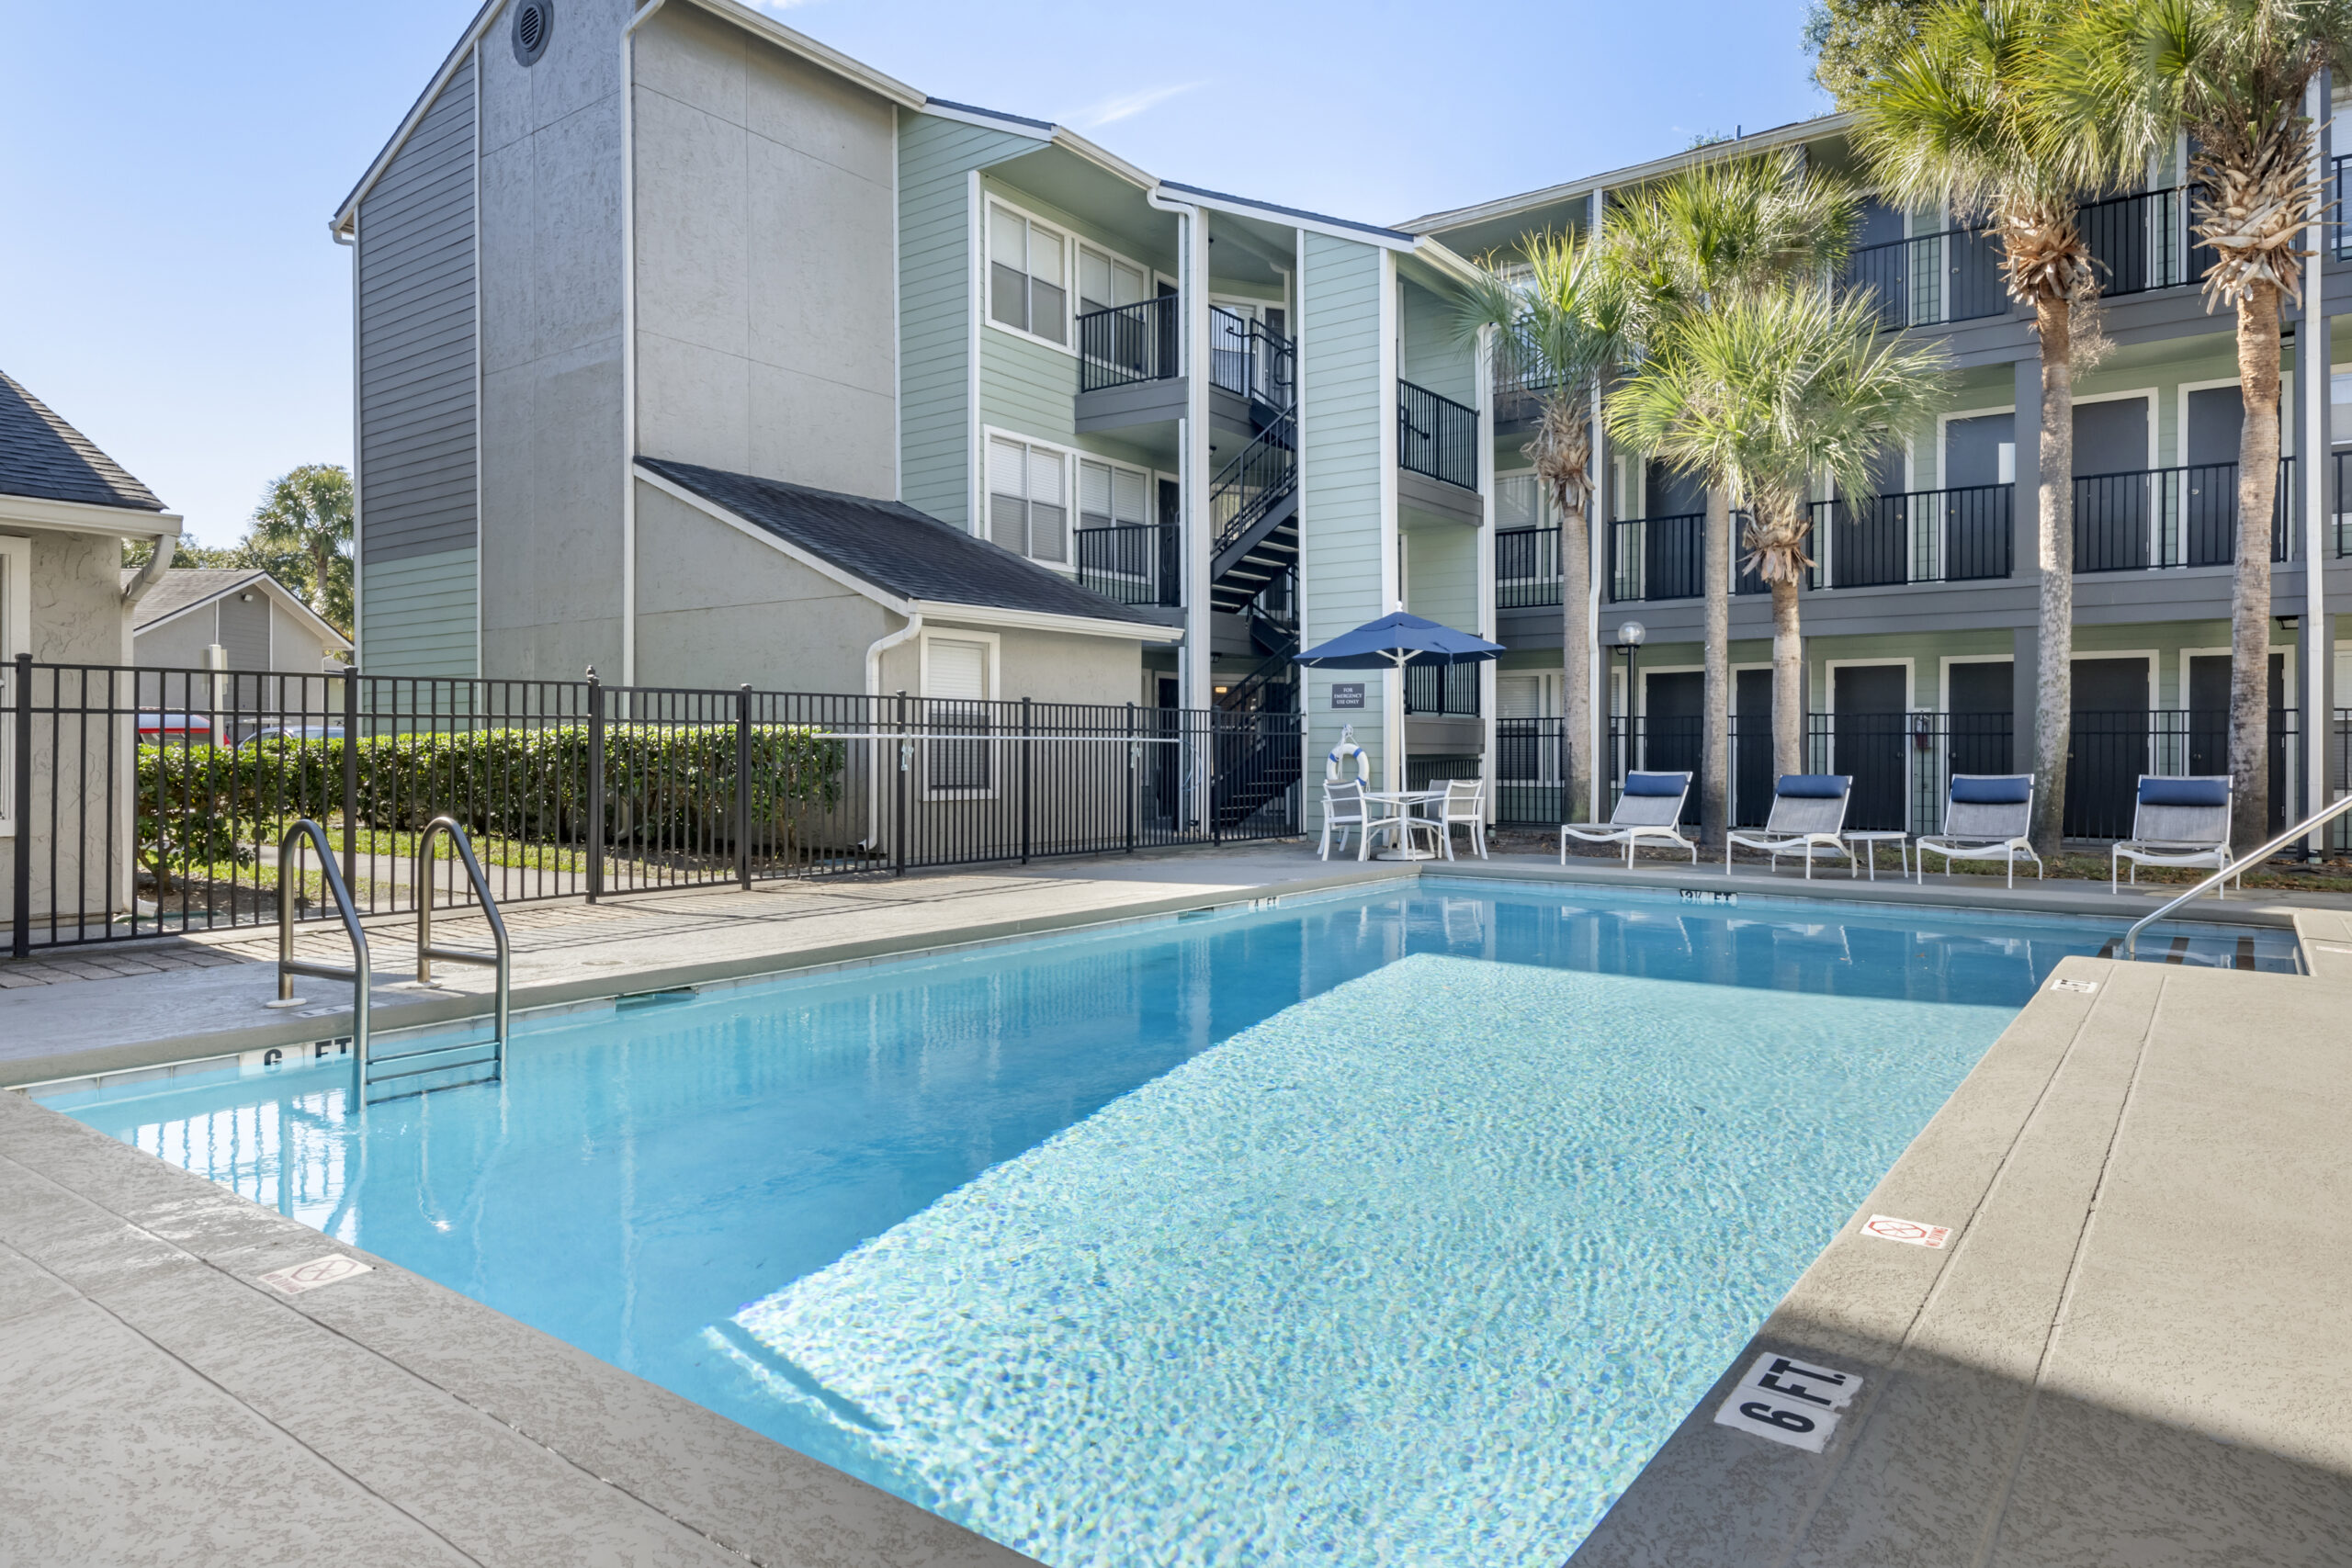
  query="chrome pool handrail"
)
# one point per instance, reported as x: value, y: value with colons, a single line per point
x: 2316, y: 820
x: 501, y: 959
x: 289, y: 848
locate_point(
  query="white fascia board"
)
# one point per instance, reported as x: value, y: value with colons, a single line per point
x: 278, y: 593
x: 292, y: 601
x: 86, y: 517
x: 1103, y: 158
x: 1009, y: 124
x: 1762, y: 141
x: 1265, y: 212
x: 937, y: 610
x: 816, y: 53
x: 340, y: 225
x: 1445, y: 260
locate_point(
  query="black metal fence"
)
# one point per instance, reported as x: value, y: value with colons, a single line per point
x: 1448, y: 690
x: 149, y: 800
x: 1928, y: 536
x: 1127, y: 343
x: 1901, y: 763
x: 1527, y: 567
x: 2171, y: 517
x: 1436, y: 437
x: 1135, y: 563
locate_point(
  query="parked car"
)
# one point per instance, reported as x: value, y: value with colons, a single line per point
x: 294, y: 732
x: 183, y: 728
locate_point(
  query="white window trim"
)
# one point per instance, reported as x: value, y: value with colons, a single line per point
x: 1081, y: 245
x: 987, y: 277
x: 16, y: 637
x: 1069, y: 456
x: 990, y: 682
x: 1151, y: 478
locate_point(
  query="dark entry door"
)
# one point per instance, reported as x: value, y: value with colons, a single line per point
x: 2107, y: 749
x: 1982, y: 717
x: 1751, y: 771
x: 1868, y: 705
x: 2209, y: 490
x: 1672, y: 707
x: 2209, y: 723
x: 2114, y: 494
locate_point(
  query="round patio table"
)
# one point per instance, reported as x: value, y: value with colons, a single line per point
x: 1406, y: 801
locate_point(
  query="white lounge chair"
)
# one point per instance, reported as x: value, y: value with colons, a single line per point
x: 2177, y: 822
x: 1465, y: 805
x: 1986, y: 817
x: 1649, y: 812
x: 1808, y: 815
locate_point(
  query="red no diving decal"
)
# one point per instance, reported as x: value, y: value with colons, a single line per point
x: 1911, y: 1232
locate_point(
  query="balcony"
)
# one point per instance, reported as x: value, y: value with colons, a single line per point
x: 1126, y: 345
x: 1436, y: 437
x: 1655, y: 558
x: 1928, y: 535
x: 1250, y: 360
x: 1130, y: 368
x: 1139, y: 563
x: 2152, y: 519
x: 1441, y: 691
x: 1527, y: 567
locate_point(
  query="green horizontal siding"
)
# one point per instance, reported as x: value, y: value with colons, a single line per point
x: 1342, y: 406
x: 418, y: 614
x: 1431, y: 352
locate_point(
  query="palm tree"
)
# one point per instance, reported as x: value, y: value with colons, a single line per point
x: 1707, y: 232
x: 2231, y: 74
x: 306, y: 513
x: 1559, y: 330
x: 1761, y: 394
x: 1962, y: 115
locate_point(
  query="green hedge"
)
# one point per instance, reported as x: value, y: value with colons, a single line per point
x: 664, y: 787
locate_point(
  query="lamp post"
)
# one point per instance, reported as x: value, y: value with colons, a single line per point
x: 1629, y: 643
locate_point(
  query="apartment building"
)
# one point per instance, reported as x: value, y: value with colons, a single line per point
x: 1920, y: 613
x: 691, y: 349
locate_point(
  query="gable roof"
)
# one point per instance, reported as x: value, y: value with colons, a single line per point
x: 906, y: 553
x: 42, y: 456
x: 183, y: 588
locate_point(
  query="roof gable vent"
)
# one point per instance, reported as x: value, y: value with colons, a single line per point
x: 533, y: 20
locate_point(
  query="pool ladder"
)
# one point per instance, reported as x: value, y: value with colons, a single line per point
x: 369, y: 1070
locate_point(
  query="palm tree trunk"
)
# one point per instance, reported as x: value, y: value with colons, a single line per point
x: 1788, y: 680
x: 319, y: 559
x: 1576, y: 653
x: 1714, y: 742
x: 2250, y: 595
x: 2055, y: 688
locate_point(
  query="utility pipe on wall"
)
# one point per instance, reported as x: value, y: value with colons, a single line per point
x: 629, y: 338
x: 875, y: 771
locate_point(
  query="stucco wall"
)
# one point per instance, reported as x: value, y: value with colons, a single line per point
x: 550, y: 235
x: 765, y: 300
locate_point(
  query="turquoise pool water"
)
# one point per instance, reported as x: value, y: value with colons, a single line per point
x: 1398, y: 1228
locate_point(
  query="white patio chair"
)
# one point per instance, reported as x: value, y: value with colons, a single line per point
x: 2176, y: 822
x: 1986, y: 817
x: 1344, y: 812
x: 1808, y: 815
x: 1465, y: 805
x: 1649, y: 812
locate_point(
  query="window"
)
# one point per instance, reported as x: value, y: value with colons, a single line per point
x: 1028, y: 500
x: 1026, y: 268
x: 1110, y: 496
x: 1519, y: 502
x: 1104, y: 281
x: 955, y: 682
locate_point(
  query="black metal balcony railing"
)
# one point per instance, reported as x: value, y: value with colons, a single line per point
x: 2139, y: 241
x: 1127, y: 343
x: 1929, y: 279
x: 1449, y: 691
x: 1656, y: 557
x: 1928, y: 536
x: 1527, y: 567
x: 1140, y: 563
x: 2153, y: 518
x: 2342, y: 518
x: 1436, y: 437
x: 1249, y: 359
x: 2339, y: 186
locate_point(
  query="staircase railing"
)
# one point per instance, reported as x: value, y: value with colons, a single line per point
x: 1246, y: 695
x: 2238, y: 868
x: 1251, y: 360
x: 1260, y: 476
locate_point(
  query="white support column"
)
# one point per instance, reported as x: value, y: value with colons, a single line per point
x: 1488, y: 621
x: 1392, y: 585
x: 1195, y: 681
x: 2313, y: 360
x: 1597, y: 506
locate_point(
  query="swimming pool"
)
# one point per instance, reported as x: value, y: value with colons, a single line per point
x: 1388, y: 1226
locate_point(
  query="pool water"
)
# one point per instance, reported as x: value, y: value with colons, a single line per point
x: 1398, y: 1227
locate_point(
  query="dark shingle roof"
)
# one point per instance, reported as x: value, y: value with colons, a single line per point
x: 182, y: 586
x: 896, y: 548
x: 42, y: 456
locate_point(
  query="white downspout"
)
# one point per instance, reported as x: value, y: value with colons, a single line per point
x: 876, y: 770
x: 136, y: 589
x: 628, y: 339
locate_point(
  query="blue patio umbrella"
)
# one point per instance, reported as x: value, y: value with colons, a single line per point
x: 1393, y: 642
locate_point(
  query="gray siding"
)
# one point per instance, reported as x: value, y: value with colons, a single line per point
x: 244, y: 630
x: 935, y: 158
x: 417, y: 338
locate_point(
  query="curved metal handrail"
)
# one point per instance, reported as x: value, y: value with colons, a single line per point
x: 500, y: 960
x: 2238, y: 868
x: 289, y: 848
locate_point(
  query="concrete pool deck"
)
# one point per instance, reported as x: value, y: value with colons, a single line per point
x: 2130, y: 1352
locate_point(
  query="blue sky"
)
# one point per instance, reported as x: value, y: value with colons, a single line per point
x: 167, y: 284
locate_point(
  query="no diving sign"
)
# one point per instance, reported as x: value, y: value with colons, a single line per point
x: 1786, y: 1401
x: 331, y: 1269
x: 1911, y: 1232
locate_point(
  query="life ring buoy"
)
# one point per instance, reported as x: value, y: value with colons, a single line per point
x: 1348, y: 750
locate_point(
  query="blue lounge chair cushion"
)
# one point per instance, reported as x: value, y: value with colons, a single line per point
x: 2185, y: 792
x: 1812, y: 786
x: 2013, y: 790
x: 1657, y: 783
